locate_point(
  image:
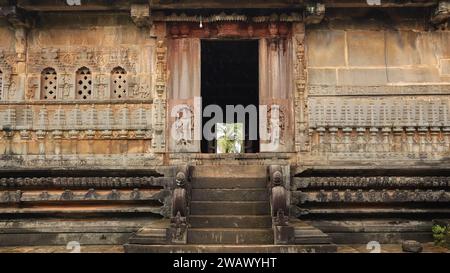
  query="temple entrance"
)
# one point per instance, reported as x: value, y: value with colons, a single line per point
x: 230, y: 76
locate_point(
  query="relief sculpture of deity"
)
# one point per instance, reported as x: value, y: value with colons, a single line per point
x: 183, y: 126
x: 276, y: 125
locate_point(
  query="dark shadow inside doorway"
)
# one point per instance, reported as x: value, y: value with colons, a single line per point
x: 230, y: 76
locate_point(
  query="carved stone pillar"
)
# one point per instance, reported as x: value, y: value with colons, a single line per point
x: 73, y: 136
x: 398, y: 134
x: 90, y: 135
x: 333, y: 139
x: 322, y: 146
x: 40, y: 135
x: 301, y: 96
x: 123, y: 136
x: 422, y: 139
x: 159, y: 103
x: 434, y: 142
x: 25, y: 137
x: 410, y: 132
x: 373, y: 143
x: 7, y: 136
x: 386, y: 132
x: 347, y: 141
x: 57, y: 137
x: 446, y: 132
x: 360, y: 141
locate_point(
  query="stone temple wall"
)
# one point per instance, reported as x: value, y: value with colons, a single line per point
x: 378, y: 92
x: 78, y: 90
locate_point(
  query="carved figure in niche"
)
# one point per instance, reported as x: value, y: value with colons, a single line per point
x: 32, y: 87
x: 12, y: 88
x: 66, y: 86
x: 183, y: 126
x: 135, y: 89
x: 276, y: 120
x: 145, y: 90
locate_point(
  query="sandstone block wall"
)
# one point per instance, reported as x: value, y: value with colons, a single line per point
x: 377, y: 57
x: 378, y: 93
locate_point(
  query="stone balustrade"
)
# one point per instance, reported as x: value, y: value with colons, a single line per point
x: 398, y: 125
x: 74, y: 129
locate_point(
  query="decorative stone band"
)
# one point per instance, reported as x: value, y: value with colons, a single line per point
x: 379, y: 112
x: 86, y: 182
x: 223, y: 17
x: 380, y: 182
x: 79, y: 195
x: 76, y: 117
x: 361, y: 91
x: 371, y: 196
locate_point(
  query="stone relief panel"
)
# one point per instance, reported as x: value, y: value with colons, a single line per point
x: 184, y: 86
x: 7, y: 62
x: 276, y: 88
x: 181, y: 135
x: 91, y: 73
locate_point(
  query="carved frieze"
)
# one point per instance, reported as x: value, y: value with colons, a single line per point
x: 371, y: 196
x: 371, y: 182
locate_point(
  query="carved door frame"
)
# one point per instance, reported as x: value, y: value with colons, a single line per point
x: 284, y: 88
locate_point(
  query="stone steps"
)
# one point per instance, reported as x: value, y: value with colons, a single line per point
x: 192, y: 248
x: 229, y: 183
x: 230, y: 208
x: 231, y: 221
x: 230, y: 236
x: 230, y: 213
x: 230, y: 194
x: 230, y: 171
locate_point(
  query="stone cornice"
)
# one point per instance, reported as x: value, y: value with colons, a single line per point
x: 124, y: 5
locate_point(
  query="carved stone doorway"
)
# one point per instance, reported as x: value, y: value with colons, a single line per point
x: 230, y: 78
x: 265, y: 56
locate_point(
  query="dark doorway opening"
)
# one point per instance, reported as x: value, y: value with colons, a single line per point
x: 230, y: 76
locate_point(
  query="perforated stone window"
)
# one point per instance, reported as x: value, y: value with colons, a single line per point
x: 83, y: 84
x: 119, y: 83
x: 49, y: 83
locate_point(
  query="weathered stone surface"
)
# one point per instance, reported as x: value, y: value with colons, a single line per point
x: 322, y: 76
x: 413, y: 75
x: 366, y: 48
x: 130, y: 248
x: 326, y: 48
x: 445, y: 67
x: 362, y: 77
x: 411, y: 48
x: 412, y: 246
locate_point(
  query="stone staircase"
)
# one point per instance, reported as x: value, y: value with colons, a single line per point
x: 230, y: 212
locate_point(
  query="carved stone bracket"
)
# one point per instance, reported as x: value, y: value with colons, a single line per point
x: 314, y: 13
x: 441, y: 14
x: 16, y: 17
x: 141, y: 15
